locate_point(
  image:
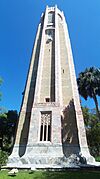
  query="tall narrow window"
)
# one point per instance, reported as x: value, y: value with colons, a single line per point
x: 51, y: 17
x: 49, y: 33
x: 45, y: 130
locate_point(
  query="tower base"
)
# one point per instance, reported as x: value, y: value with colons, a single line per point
x: 46, y: 156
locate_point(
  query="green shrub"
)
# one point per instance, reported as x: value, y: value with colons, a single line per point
x: 98, y: 159
x: 3, y: 157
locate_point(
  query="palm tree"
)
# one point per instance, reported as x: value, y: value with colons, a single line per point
x: 89, y: 85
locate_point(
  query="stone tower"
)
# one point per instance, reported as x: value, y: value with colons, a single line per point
x: 51, y: 129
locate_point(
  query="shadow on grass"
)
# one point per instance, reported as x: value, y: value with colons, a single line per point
x: 52, y: 175
x: 70, y: 175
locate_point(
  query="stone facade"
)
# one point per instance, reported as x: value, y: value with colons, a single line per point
x: 51, y: 130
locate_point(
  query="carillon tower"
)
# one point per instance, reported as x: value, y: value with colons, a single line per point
x: 51, y: 129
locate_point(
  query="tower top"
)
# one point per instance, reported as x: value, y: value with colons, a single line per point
x: 53, y: 8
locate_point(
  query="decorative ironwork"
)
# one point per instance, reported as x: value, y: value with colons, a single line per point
x: 45, y: 118
x: 45, y: 130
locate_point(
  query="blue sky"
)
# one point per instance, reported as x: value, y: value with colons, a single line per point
x: 18, y: 24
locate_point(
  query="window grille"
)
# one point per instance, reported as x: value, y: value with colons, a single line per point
x: 45, y: 130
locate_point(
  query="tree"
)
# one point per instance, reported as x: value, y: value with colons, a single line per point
x: 93, y: 135
x: 90, y: 117
x: 89, y: 85
x: 8, y: 122
x: 3, y: 119
x: 92, y: 130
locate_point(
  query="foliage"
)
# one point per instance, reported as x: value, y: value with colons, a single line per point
x: 3, y: 157
x: 98, y: 159
x: 90, y: 117
x: 94, y: 139
x: 89, y: 85
x: 92, y: 129
x: 53, y: 175
x: 8, y: 122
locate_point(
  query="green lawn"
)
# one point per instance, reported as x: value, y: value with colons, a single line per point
x: 52, y: 175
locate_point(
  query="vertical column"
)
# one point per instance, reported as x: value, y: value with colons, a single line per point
x: 79, y: 117
x: 58, y: 90
x: 40, y: 65
x: 25, y: 99
x: 47, y: 123
x: 56, y: 126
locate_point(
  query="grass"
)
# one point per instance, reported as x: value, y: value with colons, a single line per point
x: 52, y: 175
